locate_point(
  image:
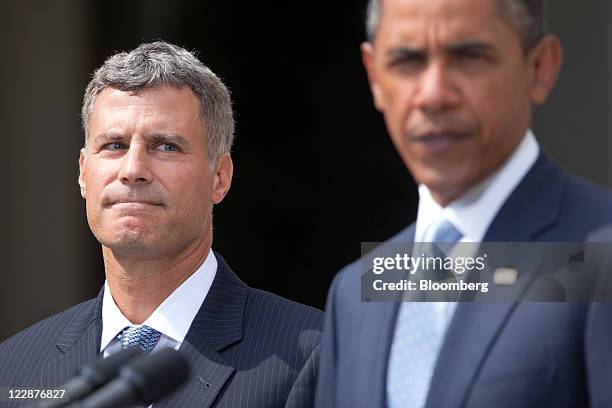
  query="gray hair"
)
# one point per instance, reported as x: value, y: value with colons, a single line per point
x: 526, y: 16
x: 162, y: 64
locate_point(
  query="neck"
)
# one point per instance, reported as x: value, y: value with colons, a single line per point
x: 444, y: 199
x: 139, y: 285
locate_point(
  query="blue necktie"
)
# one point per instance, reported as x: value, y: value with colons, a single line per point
x: 419, y: 332
x: 143, y: 337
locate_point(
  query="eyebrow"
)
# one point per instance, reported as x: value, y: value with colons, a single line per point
x: 167, y: 138
x: 455, y: 48
x: 406, y: 52
x: 471, y: 46
x: 154, y: 138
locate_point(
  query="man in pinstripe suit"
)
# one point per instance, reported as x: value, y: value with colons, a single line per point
x: 158, y: 131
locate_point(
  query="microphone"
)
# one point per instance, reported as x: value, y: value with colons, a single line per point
x: 144, y: 381
x: 92, y: 377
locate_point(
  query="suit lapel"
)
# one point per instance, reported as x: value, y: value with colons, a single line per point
x: 79, y: 344
x: 535, y: 203
x: 209, y: 372
x: 474, y: 331
x: 376, y: 336
x: 475, y: 327
x: 375, y: 345
x: 470, y: 337
x: 217, y: 326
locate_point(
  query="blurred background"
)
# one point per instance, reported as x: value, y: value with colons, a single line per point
x: 315, y: 173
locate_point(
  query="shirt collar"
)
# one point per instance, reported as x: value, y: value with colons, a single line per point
x: 474, y: 211
x: 174, y: 316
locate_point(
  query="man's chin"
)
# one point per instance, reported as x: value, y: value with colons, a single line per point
x: 445, y: 188
x: 129, y: 241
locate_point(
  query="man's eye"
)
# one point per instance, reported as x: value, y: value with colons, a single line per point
x: 113, y: 146
x: 166, y: 147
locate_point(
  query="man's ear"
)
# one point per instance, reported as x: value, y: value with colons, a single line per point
x: 82, y: 183
x: 222, y: 177
x: 367, y: 57
x: 545, y: 61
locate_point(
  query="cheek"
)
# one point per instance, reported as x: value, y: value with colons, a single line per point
x: 191, y: 192
x: 99, y: 173
x: 93, y: 191
x: 489, y: 107
x: 394, y: 89
x: 503, y: 99
x: 193, y: 210
x: 399, y: 108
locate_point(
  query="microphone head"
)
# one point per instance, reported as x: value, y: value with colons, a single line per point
x: 156, y: 375
x: 105, y: 369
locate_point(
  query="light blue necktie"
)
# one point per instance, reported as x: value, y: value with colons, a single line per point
x: 143, y: 337
x: 419, y: 332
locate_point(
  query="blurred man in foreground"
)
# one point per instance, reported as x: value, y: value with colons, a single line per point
x: 158, y: 131
x: 456, y: 82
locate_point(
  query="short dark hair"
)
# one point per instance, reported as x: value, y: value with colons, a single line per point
x: 526, y: 16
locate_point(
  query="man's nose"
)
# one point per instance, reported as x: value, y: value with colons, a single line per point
x: 436, y: 90
x: 135, y: 166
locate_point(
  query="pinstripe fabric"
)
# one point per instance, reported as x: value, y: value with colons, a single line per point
x: 246, y: 348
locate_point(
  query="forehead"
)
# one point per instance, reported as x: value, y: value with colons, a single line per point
x: 442, y: 20
x: 162, y: 106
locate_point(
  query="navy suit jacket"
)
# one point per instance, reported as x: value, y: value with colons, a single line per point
x: 599, y: 329
x: 245, y: 347
x: 507, y: 354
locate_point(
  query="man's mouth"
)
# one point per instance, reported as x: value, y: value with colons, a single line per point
x: 437, y: 142
x: 135, y: 204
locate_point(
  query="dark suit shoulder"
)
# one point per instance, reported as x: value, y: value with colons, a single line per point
x: 347, y: 280
x: 551, y: 205
x: 258, y: 295
x: 584, y: 195
x: 36, y: 344
x: 586, y: 207
x: 602, y: 235
x: 346, y: 286
x: 47, y: 329
x: 286, y: 324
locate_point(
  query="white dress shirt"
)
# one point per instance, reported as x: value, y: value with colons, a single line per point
x: 173, y: 316
x: 473, y: 212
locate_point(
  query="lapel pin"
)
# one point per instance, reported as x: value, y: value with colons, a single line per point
x: 505, y: 276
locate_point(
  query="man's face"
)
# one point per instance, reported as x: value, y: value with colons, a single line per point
x: 455, y: 88
x: 145, y: 177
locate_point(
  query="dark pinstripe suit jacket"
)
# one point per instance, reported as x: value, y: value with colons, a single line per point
x: 246, y: 348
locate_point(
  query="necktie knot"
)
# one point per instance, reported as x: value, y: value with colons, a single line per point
x: 442, y: 230
x: 439, y: 240
x: 141, y: 336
